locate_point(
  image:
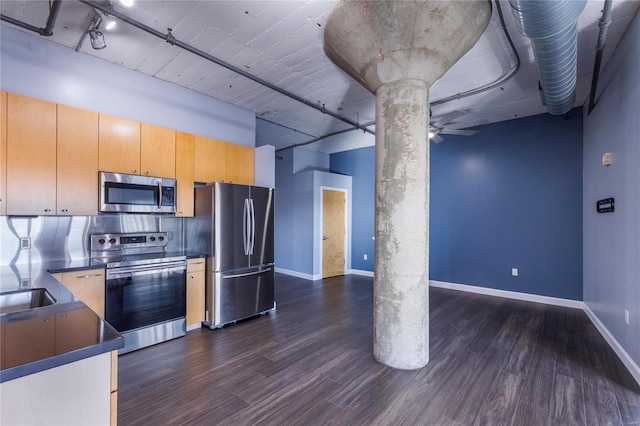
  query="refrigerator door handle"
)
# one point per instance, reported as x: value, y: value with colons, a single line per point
x: 248, y: 274
x: 253, y: 227
x: 245, y: 215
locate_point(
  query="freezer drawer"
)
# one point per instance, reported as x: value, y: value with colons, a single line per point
x: 239, y: 295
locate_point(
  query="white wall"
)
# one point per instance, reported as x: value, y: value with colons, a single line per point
x: 612, y: 240
x: 33, y: 66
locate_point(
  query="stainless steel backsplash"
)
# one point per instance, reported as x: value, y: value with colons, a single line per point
x: 54, y: 238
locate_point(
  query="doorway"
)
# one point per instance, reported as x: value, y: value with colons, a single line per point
x: 333, y: 232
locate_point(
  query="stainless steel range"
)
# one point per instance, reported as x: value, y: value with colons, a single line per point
x: 145, y: 287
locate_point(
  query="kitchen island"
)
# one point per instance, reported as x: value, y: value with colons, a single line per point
x: 57, y: 359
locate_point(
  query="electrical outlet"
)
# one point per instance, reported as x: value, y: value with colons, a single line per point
x: 365, y: 257
x: 25, y: 243
x: 626, y: 317
x: 514, y: 272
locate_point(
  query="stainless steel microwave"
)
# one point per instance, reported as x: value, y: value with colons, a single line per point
x: 121, y: 193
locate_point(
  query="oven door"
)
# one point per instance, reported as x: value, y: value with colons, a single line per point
x: 136, y: 299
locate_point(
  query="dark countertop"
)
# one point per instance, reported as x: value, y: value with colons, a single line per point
x: 38, y: 339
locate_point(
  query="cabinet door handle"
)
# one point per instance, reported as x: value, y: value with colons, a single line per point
x: 47, y: 210
x: 146, y: 172
x: 65, y: 210
x: 134, y: 171
x: 89, y: 276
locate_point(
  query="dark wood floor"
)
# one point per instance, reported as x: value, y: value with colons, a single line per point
x: 493, y: 362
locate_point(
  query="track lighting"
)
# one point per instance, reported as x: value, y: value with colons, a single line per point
x: 109, y: 23
x: 97, y: 39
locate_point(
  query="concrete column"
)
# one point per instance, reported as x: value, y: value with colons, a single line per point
x: 398, y: 49
x: 401, y: 283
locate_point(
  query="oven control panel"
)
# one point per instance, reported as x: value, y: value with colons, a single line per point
x: 103, y: 242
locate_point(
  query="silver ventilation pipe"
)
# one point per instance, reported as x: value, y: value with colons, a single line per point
x: 553, y: 30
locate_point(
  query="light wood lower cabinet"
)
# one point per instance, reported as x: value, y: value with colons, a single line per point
x: 86, y: 285
x: 22, y: 350
x: 114, y: 388
x: 195, y: 292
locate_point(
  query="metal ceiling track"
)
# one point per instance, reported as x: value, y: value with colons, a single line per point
x: 169, y: 38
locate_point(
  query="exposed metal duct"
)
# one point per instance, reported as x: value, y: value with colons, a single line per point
x: 553, y: 30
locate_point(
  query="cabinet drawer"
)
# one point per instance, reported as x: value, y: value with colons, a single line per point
x: 195, y: 265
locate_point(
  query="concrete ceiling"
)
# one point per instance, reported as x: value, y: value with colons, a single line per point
x: 281, y: 42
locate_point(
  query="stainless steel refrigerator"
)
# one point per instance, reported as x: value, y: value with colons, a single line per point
x: 233, y: 225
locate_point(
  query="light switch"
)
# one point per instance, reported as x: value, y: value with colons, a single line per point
x: 606, y: 159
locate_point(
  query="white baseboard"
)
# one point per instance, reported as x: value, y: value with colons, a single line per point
x: 359, y: 272
x: 617, y: 348
x: 567, y: 303
x: 297, y: 274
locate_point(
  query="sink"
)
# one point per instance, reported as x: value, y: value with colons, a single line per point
x: 25, y: 299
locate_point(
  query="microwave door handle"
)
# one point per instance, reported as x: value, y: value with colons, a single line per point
x: 159, y: 195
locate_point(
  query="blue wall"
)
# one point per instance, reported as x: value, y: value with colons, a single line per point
x: 298, y: 215
x: 612, y: 240
x: 510, y: 196
x: 360, y: 164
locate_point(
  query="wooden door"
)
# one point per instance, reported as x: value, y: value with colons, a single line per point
x: 119, y: 143
x: 157, y: 151
x: 240, y: 164
x: 31, y: 156
x: 3, y: 153
x: 77, y: 158
x: 184, y: 173
x: 210, y: 160
x: 333, y: 233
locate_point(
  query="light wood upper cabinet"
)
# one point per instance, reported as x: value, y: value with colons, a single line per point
x: 88, y: 286
x: 240, y: 164
x: 119, y: 145
x: 31, y: 156
x: 185, y: 146
x: 157, y: 151
x: 210, y: 160
x: 77, y: 165
x: 3, y: 152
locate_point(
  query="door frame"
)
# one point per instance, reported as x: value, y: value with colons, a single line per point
x: 347, y: 230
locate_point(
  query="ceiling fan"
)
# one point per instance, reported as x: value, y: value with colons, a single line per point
x: 445, y: 126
